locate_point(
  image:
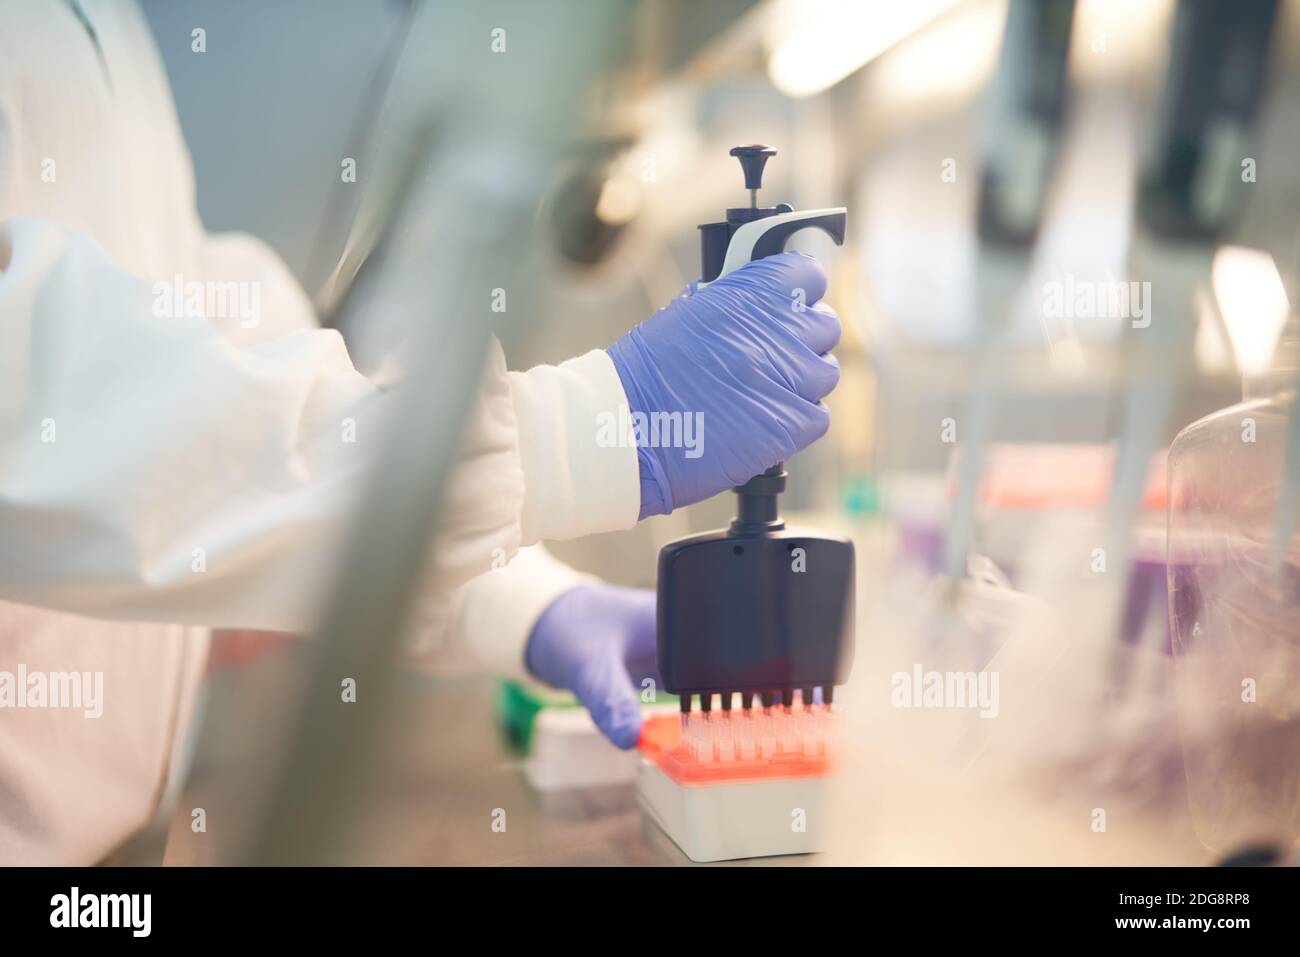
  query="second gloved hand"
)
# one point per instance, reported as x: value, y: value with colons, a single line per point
x: 598, y: 641
x: 726, y: 381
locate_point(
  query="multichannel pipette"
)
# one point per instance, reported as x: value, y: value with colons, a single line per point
x: 756, y: 614
x: 756, y: 609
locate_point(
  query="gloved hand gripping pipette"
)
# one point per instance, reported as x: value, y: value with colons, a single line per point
x: 727, y: 380
x: 756, y: 608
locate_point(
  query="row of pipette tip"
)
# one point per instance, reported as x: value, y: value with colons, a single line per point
x: 758, y: 733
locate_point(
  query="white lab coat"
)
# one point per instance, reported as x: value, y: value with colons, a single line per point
x: 190, y: 470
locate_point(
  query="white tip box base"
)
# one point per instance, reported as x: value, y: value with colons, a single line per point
x: 736, y: 819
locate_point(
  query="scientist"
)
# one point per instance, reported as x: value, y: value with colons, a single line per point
x: 164, y: 471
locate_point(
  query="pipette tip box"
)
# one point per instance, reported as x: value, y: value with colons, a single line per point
x: 738, y: 785
x: 562, y: 747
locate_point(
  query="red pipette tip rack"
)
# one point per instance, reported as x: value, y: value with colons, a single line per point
x: 724, y: 747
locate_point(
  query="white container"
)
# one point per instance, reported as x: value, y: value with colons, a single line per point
x: 568, y: 751
x: 737, y: 819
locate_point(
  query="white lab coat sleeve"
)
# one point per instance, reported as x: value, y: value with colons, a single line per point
x: 152, y: 466
x: 579, y: 464
x: 156, y: 466
x: 534, y: 466
x: 573, y: 478
x: 485, y: 624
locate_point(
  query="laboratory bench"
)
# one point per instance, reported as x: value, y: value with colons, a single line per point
x: 448, y: 774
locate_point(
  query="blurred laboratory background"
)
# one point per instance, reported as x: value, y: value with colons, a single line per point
x: 1064, y: 442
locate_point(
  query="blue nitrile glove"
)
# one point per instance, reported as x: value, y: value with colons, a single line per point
x: 743, y: 364
x: 598, y: 641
